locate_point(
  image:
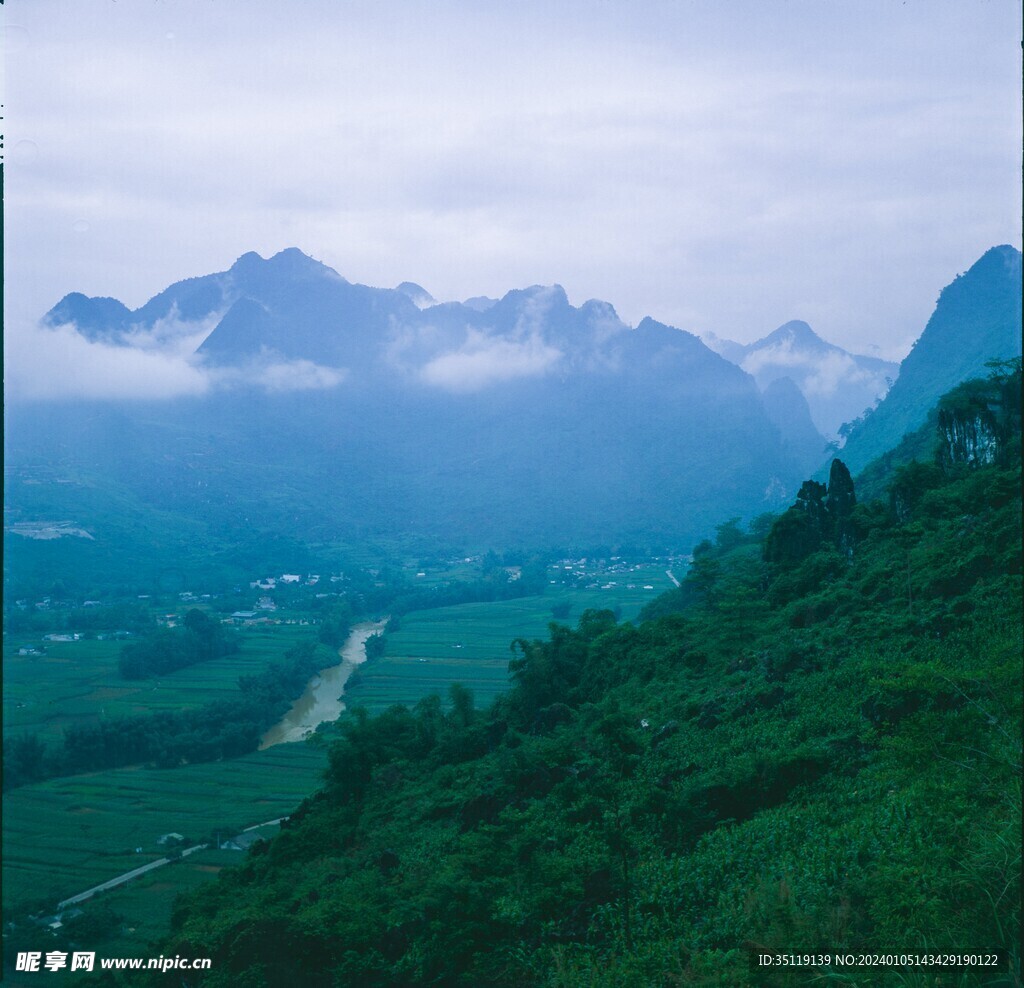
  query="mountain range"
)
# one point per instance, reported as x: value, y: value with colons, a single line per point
x: 338, y: 412
x: 333, y: 412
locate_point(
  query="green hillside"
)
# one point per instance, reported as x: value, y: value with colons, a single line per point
x: 813, y: 745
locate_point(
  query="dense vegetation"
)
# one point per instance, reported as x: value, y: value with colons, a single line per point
x: 222, y: 729
x: 199, y: 639
x: 813, y: 744
x: 397, y: 597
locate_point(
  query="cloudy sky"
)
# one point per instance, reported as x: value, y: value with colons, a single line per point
x: 721, y: 165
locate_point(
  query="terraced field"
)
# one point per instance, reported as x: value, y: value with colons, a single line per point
x: 146, y: 902
x: 66, y: 835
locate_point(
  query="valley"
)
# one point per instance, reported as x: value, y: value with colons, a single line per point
x: 63, y: 835
x: 599, y: 610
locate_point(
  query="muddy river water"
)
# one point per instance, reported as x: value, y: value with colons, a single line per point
x: 322, y: 699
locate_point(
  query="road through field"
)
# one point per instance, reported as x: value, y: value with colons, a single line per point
x: 135, y: 872
x: 126, y: 877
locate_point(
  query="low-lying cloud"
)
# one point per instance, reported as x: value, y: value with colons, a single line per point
x: 171, y: 333
x: 60, y: 363
x: 483, y: 360
x: 820, y: 376
x: 57, y: 363
x: 839, y: 369
x: 274, y: 375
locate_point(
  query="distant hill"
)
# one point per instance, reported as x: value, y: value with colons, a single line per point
x: 977, y: 318
x: 787, y: 408
x: 417, y: 294
x: 838, y: 385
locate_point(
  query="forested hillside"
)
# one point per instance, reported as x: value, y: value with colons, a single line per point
x: 813, y: 744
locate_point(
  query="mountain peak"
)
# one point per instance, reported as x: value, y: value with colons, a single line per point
x: 480, y: 303
x: 417, y: 294
x: 291, y: 262
x: 94, y: 318
x: 976, y: 319
x: 997, y: 258
x: 654, y: 330
x: 540, y: 298
x: 837, y: 385
x: 552, y: 294
x: 295, y: 262
x: 796, y: 330
x: 249, y: 259
x: 598, y: 308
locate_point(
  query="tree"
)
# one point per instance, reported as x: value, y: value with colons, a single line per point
x: 336, y: 624
x: 839, y: 505
x: 23, y: 760
x: 728, y: 535
x: 703, y: 574
x: 462, y: 704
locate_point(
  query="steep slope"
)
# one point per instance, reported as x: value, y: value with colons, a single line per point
x: 977, y: 319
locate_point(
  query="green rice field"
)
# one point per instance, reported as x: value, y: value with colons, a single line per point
x: 470, y: 643
x: 77, y: 682
x: 63, y: 836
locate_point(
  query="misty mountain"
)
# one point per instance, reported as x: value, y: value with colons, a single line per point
x: 977, y: 318
x: 788, y: 411
x: 419, y: 296
x: 838, y: 385
x: 480, y: 302
x: 528, y: 421
x: 338, y: 412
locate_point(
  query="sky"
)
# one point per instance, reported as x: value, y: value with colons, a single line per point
x: 721, y: 165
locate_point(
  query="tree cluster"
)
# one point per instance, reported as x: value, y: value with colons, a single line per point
x: 821, y: 515
x: 222, y: 729
x: 199, y: 639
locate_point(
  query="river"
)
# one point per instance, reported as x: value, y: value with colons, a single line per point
x: 322, y: 699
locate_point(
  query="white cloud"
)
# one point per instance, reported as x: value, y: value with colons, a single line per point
x: 43, y: 363
x: 718, y: 165
x: 837, y: 369
x: 275, y: 375
x: 818, y: 376
x: 484, y: 360
x: 172, y: 334
x: 409, y: 348
x: 60, y: 363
